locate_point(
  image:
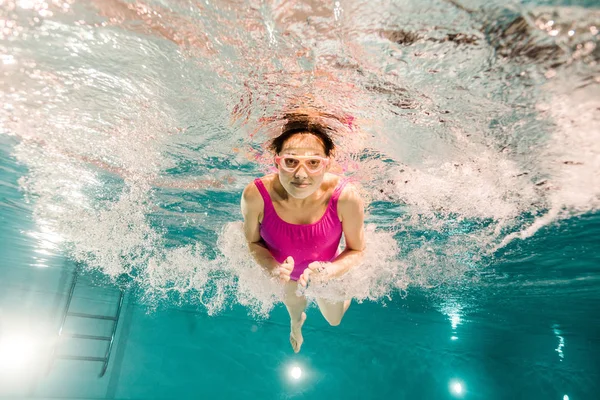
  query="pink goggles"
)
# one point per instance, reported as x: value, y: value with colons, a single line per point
x: 291, y: 163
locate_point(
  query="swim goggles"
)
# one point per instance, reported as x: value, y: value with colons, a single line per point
x: 313, y: 164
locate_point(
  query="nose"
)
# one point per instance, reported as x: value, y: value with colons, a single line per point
x: 301, y: 172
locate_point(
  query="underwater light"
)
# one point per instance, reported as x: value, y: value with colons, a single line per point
x: 16, y: 351
x: 457, y: 388
x: 565, y: 397
x: 296, y: 372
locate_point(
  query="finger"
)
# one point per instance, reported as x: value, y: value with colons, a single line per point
x: 284, y: 272
x: 287, y: 268
x: 302, y: 281
x: 289, y: 259
x: 305, y: 277
x: 287, y: 265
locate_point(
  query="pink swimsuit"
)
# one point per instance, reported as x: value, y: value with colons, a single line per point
x: 305, y: 243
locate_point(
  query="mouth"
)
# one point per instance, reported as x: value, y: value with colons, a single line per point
x: 300, y: 185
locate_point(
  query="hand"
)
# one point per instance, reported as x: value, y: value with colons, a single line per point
x: 317, y: 270
x: 284, y: 271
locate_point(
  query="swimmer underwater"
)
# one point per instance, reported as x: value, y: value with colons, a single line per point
x: 294, y: 220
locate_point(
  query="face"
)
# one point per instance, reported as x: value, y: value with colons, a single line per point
x: 302, y: 181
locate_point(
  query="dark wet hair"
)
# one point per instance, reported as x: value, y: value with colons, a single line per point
x: 303, y: 124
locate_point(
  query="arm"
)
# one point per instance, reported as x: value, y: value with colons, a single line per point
x: 351, y: 209
x: 191, y: 184
x: 252, y: 206
x: 151, y: 20
x: 188, y: 184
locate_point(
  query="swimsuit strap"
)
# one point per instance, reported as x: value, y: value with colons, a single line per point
x: 337, y: 192
x: 269, y: 203
x: 265, y: 195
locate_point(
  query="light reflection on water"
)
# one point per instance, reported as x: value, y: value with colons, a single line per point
x: 561, y: 342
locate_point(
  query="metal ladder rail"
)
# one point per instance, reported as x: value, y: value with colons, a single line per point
x: 64, y: 318
x: 110, y: 338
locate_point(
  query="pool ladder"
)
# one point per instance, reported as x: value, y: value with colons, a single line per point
x: 110, y: 339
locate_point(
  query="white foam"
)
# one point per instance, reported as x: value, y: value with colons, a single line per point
x: 368, y: 281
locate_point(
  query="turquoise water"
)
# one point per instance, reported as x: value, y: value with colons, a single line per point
x: 527, y: 329
x: 128, y: 131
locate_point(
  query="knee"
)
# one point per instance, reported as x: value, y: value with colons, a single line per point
x: 294, y: 301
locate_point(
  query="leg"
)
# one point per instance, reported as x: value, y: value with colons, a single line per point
x: 295, y: 305
x: 333, y: 311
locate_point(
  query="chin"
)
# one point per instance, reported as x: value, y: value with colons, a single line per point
x: 300, y: 194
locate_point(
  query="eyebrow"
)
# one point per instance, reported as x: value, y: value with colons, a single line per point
x: 293, y: 153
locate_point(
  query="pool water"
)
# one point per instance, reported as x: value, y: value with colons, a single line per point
x: 128, y: 131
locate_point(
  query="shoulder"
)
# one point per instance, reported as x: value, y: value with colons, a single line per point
x: 350, y: 192
x: 331, y: 182
x: 350, y: 199
x: 250, y: 192
x: 252, y: 200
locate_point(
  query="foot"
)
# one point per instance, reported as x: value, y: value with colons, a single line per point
x: 296, y: 338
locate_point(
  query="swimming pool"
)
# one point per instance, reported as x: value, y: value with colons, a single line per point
x: 130, y: 129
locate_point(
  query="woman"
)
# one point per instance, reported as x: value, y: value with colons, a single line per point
x: 294, y: 220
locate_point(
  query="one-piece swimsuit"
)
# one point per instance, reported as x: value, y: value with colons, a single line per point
x: 304, y: 242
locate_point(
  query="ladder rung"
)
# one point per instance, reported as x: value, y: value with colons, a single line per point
x: 74, y: 314
x: 80, y: 358
x: 91, y: 337
x: 110, y: 339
